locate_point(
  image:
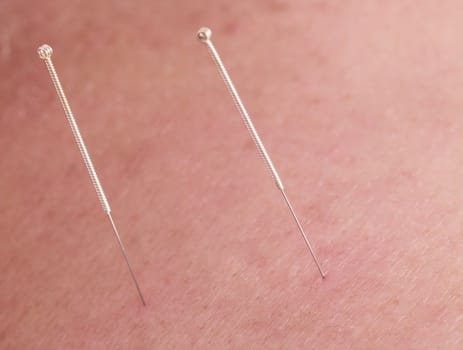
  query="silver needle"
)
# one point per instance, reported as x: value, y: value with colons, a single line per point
x: 204, y: 36
x: 45, y: 52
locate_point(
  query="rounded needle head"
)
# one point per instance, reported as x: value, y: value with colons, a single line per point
x: 204, y: 34
x: 45, y: 51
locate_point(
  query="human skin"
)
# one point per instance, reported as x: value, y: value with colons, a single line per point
x: 359, y: 104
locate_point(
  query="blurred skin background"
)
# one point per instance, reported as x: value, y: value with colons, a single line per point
x: 359, y: 105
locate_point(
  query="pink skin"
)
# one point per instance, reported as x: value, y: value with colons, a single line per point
x: 360, y: 106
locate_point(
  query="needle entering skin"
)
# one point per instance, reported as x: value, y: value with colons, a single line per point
x: 204, y: 36
x: 45, y: 52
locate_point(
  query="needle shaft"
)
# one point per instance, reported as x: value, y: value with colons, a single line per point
x: 204, y: 36
x: 124, y: 253
x: 45, y: 52
x: 301, y: 230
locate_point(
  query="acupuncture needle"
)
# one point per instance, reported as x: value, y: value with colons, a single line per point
x: 204, y: 36
x: 45, y: 52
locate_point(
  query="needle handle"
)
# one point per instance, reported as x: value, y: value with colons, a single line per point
x: 204, y: 35
x: 45, y: 53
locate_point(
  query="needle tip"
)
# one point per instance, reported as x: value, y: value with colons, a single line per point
x: 204, y: 34
x: 45, y: 51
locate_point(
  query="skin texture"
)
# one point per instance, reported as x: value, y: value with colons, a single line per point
x: 359, y: 105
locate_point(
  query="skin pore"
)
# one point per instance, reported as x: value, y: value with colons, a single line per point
x: 359, y: 105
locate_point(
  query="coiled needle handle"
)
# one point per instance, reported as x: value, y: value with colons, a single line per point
x: 204, y: 36
x: 45, y: 52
